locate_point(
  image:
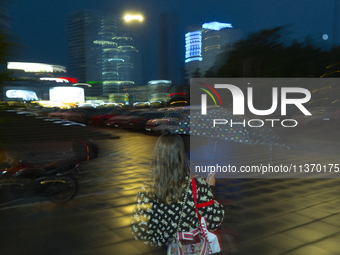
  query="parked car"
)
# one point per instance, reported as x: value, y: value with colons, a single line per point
x: 60, y: 114
x: 119, y: 121
x: 138, y: 122
x: 74, y: 114
x: 101, y: 119
x: 158, y: 125
x: 86, y: 116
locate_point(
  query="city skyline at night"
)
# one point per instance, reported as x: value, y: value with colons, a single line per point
x: 48, y: 44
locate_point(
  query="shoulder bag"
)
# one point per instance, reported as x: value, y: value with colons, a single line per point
x: 192, y: 242
x: 212, y: 239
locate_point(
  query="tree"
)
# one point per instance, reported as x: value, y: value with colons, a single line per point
x: 196, y: 74
x: 263, y: 54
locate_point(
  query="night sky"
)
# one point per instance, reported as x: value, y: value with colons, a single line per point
x: 40, y: 24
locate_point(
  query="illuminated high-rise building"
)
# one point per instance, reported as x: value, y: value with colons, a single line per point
x: 84, y: 50
x: 205, y: 44
x: 100, y: 54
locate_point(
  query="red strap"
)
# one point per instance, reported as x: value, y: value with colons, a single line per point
x: 205, y: 204
x: 194, y: 190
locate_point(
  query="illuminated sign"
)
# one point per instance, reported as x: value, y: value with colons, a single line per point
x: 193, y: 46
x: 27, y: 95
x: 59, y: 80
x: 216, y: 25
x: 70, y: 79
x: 105, y: 42
x: 193, y: 59
x: 159, y: 82
x: 36, y: 67
x: 133, y: 17
x: 67, y: 94
x: 174, y: 94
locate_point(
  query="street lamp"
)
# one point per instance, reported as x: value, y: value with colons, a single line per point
x: 129, y: 17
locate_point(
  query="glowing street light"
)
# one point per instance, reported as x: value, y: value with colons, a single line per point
x: 130, y: 17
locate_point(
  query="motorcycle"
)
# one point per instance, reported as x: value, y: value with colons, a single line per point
x: 54, y: 180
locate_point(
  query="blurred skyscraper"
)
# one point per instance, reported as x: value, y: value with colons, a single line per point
x: 100, y: 53
x: 83, y: 51
x: 207, y: 46
x: 5, y: 33
x: 5, y: 24
x: 169, y: 51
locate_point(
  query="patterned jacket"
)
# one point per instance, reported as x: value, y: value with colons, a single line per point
x: 154, y: 222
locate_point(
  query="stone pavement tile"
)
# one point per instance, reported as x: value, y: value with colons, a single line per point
x: 333, y: 191
x: 102, y: 214
x: 95, y: 240
x: 249, y: 203
x: 125, y: 233
x: 331, y: 244
x: 125, y: 210
x: 332, y: 220
x: 335, y: 202
x: 122, y: 201
x: 107, y: 196
x: 281, y: 242
x: 304, y: 201
x: 290, y: 206
x: 128, y: 248
x: 310, y: 250
x: 295, y: 219
x: 276, y: 225
x: 54, y: 222
x: 324, y: 228
x: 282, y: 195
x: 253, y: 231
x: 299, y: 192
x: 84, y: 200
x: 94, y: 206
x: 252, y: 215
x: 146, y: 249
x: 130, y: 191
x: 320, y: 197
x: 118, y: 222
x: 265, y: 200
x: 87, y: 251
x: 93, y: 227
x: 35, y: 242
x: 257, y: 248
x: 303, y: 234
x: 312, y: 213
x: 328, y: 207
x: 272, y: 211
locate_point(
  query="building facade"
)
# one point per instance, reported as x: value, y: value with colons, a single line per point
x: 207, y: 46
x: 99, y: 53
x: 40, y: 81
x: 169, y: 48
x: 83, y: 49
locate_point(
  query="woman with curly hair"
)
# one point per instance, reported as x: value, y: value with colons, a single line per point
x: 166, y: 203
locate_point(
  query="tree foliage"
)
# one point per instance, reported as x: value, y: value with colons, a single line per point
x: 263, y: 54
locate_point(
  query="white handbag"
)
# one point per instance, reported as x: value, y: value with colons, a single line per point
x: 212, y: 239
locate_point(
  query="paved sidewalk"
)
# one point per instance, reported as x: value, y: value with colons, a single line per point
x: 263, y: 216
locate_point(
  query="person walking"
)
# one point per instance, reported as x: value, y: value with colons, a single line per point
x: 165, y: 205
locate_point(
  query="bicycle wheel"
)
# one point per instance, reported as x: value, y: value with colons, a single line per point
x: 62, y: 189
